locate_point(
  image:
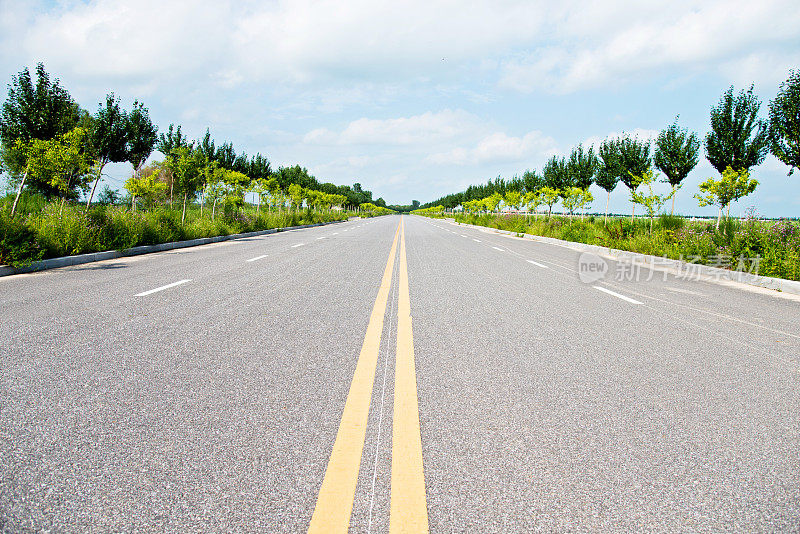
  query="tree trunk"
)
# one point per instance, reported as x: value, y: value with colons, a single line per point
x: 608, y: 201
x: 171, y: 184
x: 133, y: 202
x: 19, y: 191
x: 672, y: 211
x: 214, y: 209
x: 97, y: 181
x: 633, y: 211
x: 183, y: 216
x: 719, y: 217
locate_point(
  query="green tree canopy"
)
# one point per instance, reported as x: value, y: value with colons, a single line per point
x: 582, y: 167
x: 141, y: 135
x: 555, y: 174
x: 634, y: 160
x: 675, y: 155
x: 171, y: 140
x: 610, y: 170
x: 784, y: 122
x: 109, y: 137
x: 738, y: 138
x: 733, y: 185
x: 35, y: 110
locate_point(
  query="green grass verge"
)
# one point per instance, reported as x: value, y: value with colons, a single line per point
x: 41, y: 230
x: 768, y: 248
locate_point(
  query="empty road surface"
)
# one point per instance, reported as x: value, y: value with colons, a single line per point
x: 394, y: 374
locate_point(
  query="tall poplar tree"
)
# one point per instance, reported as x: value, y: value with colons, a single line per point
x: 675, y: 155
x: 109, y: 137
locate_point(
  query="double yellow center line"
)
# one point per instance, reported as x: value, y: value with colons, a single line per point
x: 408, y: 507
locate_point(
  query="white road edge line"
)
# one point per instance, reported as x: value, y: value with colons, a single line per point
x: 498, y: 248
x: 321, y: 237
x: 623, y: 297
x: 258, y: 258
x: 298, y: 245
x: 476, y: 240
x: 162, y: 288
x: 536, y: 263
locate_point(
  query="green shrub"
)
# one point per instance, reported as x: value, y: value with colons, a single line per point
x: 670, y: 222
x: 18, y: 244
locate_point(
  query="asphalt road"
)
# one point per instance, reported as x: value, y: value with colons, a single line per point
x: 424, y: 374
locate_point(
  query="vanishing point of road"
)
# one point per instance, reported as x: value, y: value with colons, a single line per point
x: 396, y: 374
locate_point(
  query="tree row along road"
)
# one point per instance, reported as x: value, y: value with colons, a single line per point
x: 395, y: 374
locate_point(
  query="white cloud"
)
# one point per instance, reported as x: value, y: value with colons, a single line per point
x: 448, y: 137
x: 646, y: 40
x: 521, y: 45
x: 498, y: 147
x: 421, y: 129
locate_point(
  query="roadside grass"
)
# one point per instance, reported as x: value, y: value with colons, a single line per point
x: 768, y: 248
x: 41, y: 229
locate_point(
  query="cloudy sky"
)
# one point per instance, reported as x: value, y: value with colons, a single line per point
x: 418, y: 99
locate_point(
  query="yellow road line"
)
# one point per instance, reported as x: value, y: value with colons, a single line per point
x: 335, y: 500
x: 408, y: 506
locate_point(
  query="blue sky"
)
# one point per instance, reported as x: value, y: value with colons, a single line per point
x: 415, y: 100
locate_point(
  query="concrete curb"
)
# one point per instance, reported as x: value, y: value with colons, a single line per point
x: 66, y: 261
x: 714, y: 274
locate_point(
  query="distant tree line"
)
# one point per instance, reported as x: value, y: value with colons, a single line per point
x: 50, y: 146
x: 739, y: 139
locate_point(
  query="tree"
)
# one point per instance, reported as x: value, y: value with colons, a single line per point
x: 609, y: 170
x: 187, y: 166
x: 493, y: 202
x: 533, y: 199
x: 675, y: 155
x: 531, y: 181
x: 147, y: 187
x: 634, y: 162
x: 571, y: 198
x: 784, y: 122
x: 549, y: 197
x: 738, y: 138
x: 236, y: 184
x: 296, y: 195
x: 141, y: 135
x: 206, y: 146
x: 262, y: 187
x: 109, y: 137
x: 513, y: 199
x: 555, y: 174
x: 40, y: 110
x: 171, y: 140
x: 215, y: 188
x: 732, y: 186
x: 582, y: 167
x: 650, y: 201
x: 166, y: 144
x: 62, y: 163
